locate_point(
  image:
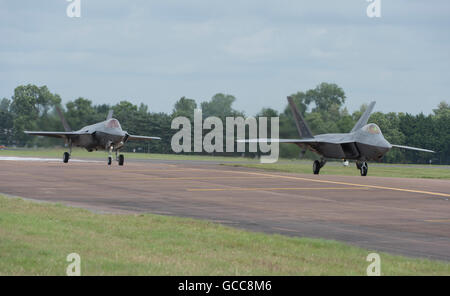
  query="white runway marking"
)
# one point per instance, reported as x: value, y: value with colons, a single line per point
x: 42, y: 159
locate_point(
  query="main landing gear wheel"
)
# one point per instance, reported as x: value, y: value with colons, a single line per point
x: 364, y: 168
x: 121, y: 159
x: 316, y: 167
x: 66, y: 157
x: 109, y: 160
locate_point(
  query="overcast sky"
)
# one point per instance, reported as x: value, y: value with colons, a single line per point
x: 259, y: 51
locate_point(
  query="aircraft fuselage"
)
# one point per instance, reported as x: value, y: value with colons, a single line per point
x: 101, y: 136
x: 366, y: 144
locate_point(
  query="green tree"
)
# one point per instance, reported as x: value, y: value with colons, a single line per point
x: 30, y: 107
x: 326, y: 96
x: 220, y: 106
x: 345, y: 122
x: 101, y: 111
x: 6, y: 122
x: 441, y: 126
x: 184, y: 107
x: 80, y: 113
x: 443, y: 109
x: 5, y: 104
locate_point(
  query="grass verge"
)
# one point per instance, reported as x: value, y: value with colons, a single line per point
x: 35, y: 239
x: 398, y: 171
x: 82, y: 153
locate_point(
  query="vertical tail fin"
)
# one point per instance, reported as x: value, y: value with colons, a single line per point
x: 302, y: 127
x: 364, y: 118
x: 63, y: 120
x: 110, y: 114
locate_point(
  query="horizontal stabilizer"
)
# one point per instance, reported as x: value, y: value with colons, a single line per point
x: 54, y: 134
x: 265, y: 140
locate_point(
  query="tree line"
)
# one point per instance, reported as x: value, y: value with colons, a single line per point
x: 33, y: 108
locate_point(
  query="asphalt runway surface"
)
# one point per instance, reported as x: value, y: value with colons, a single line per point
x: 400, y: 216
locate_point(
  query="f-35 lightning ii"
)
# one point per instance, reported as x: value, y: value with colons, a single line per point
x: 365, y: 142
x: 106, y: 135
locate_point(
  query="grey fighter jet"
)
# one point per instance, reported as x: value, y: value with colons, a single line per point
x: 106, y: 135
x: 365, y: 142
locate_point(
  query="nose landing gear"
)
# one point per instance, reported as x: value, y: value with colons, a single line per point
x: 66, y: 155
x: 111, y: 147
x: 119, y: 157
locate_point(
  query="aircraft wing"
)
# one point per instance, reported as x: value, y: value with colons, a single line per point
x: 326, y: 138
x: 142, y: 138
x: 53, y: 134
x: 413, y: 148
x: 264, y: 140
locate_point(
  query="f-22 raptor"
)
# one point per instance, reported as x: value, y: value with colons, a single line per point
x: 106, y: 135
x: 365, y: 142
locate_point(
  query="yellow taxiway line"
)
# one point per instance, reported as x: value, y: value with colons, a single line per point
x: 271, y: 188
x: 335, y: 182
x: 150, y: 178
